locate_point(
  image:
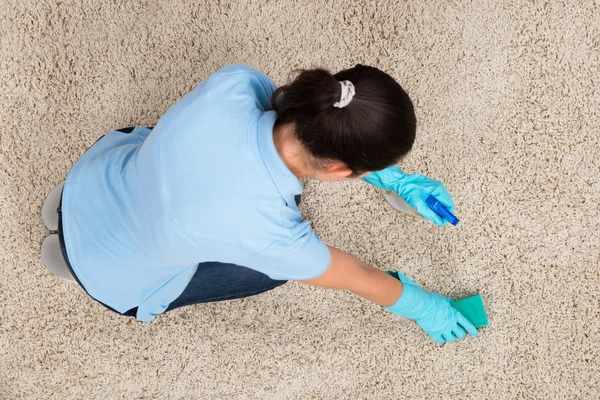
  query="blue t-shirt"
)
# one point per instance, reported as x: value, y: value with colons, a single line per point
x: 141, y: 210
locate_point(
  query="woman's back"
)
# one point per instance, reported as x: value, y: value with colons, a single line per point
x: 205, y: 185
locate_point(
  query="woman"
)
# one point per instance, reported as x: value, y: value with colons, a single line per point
x: 204, y: 206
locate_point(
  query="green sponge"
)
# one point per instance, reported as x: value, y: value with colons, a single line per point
x: 472, y: 308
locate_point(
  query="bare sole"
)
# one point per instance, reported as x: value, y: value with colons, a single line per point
x: 53, y: 259
x: 49, y: 213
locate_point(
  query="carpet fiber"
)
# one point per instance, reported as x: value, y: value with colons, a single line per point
x: 507, y: 98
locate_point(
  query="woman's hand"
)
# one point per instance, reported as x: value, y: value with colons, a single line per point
x: 414, y: 189
x: 432, y: 312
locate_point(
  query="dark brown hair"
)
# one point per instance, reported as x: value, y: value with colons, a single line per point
x: 371, y: 133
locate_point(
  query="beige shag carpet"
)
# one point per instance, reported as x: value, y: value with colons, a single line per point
x: 507, y: 97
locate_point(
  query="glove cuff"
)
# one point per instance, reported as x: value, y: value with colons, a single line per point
x: 411, y: 303
x: 387, y: 179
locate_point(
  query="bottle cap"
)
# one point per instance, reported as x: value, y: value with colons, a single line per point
x: 441, y: 210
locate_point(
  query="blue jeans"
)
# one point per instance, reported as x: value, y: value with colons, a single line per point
x: 213, y: 281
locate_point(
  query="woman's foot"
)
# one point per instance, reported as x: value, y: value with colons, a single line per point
x: 50, y: 207
x: 53, y: 259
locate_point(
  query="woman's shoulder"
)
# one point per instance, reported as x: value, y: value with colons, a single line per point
x: 243, y: 78
x: 239, y: 69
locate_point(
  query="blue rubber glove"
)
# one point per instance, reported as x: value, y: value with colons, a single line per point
x: 432, y: 312
x: 414, y: 189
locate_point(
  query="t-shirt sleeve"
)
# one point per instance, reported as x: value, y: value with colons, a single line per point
x: 243, y: 79
x: 302, y: 256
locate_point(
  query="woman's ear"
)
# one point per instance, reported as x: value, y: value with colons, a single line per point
x: 339, y: 170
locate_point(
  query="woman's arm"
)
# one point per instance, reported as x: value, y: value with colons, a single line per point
x: 348, y: 272
x: 432, y: 311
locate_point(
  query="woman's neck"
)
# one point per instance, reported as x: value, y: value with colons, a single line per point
x: 291, y: 151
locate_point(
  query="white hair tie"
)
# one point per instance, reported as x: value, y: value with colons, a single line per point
x: 347, y: 94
